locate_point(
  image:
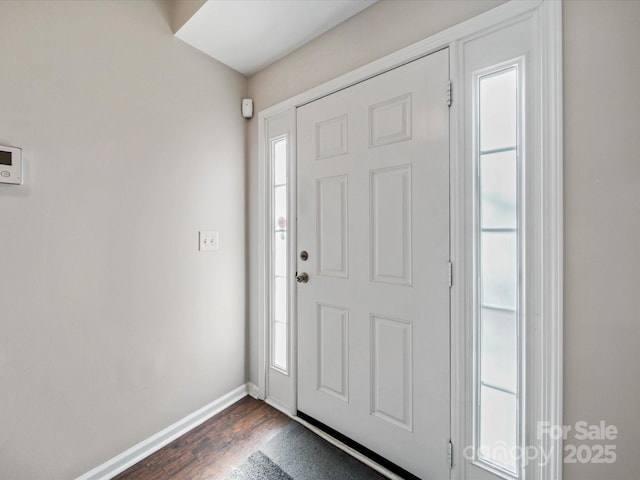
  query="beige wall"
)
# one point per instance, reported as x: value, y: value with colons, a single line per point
x: 112, y: 324
x: 602, y: 226
x: 602, y: 185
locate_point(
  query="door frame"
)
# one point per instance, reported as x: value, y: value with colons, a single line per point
x: 547, y: 377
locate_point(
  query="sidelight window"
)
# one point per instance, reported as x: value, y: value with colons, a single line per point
x: 279, y: 324
x: 498, y: 286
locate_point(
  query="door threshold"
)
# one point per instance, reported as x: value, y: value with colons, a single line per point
x: 359, y: 452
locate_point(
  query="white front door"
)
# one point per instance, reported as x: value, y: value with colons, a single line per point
x: 373, y: 216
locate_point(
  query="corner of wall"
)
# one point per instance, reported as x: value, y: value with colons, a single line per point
x: 183, y: 10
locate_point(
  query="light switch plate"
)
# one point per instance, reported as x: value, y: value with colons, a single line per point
x: 208, y: 241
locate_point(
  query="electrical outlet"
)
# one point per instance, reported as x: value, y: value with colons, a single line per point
x: 208, y: 241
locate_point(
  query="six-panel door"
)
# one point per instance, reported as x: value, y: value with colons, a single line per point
x: 373, y: 214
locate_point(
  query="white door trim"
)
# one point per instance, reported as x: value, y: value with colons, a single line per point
x: 419, y: 49
x: 548, y: 374
x: 544, y: 358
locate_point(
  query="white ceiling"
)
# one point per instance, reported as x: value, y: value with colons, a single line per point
x: 248, y: 35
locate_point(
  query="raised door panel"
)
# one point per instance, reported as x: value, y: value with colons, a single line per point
x: 390, y: 225
x: 390, y: 121
x: 331, y: 138
x: 332, y: 226
x: 391, y: 371
x: 333, y: 351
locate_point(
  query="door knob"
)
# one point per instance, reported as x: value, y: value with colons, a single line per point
x: 302, y: 278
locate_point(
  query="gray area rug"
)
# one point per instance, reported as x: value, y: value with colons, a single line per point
x: 259, y: 467
x: 297, y: 453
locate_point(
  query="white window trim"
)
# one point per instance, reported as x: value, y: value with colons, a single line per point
x: 270, y: 264
x: 547, y: 374
x: 544, y: 362
x: 280, y: 125
x: 519, y: 65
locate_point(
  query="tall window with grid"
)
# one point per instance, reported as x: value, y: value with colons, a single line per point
x: 498, y: 270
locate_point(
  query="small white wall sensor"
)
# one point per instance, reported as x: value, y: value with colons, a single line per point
x: 10, y: 165
x: 247, y: 108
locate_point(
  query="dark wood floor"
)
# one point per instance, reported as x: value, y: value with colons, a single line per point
x: 213, y: 449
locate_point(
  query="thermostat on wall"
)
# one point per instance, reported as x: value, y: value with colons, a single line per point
x: 10, y: 165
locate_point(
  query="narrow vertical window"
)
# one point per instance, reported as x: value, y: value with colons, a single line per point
x: 279, y: 264
x: 498, y: 351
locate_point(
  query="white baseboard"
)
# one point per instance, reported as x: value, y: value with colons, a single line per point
x: 254, y: 391
x: 120, y: 463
